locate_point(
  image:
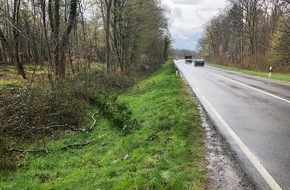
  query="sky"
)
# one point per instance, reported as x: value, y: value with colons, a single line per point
x: 187, y: 19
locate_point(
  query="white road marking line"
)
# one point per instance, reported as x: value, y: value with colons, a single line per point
x: 261, y: 91
x: 268, y: 178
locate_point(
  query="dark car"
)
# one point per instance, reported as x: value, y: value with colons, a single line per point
x: 199, y: 62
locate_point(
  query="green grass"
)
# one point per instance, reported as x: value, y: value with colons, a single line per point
x: 10, y: 78
x: 165, y: 152
x: 275, y: 76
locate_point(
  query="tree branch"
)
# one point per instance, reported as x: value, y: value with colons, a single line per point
x: 77, y: 145
x: 24, y: 151
x: 94, y: 123
x: 72, y: 128
x: 74, y: 145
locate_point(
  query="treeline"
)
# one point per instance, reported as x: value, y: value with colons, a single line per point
x: 251, y: 34
x: 62, y: 33
x: 181, y: 53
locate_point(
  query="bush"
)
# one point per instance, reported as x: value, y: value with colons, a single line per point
x: 31, y: 115
x: 27, y: 115
x: 118, y: 113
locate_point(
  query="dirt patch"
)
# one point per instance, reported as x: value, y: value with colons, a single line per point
x: 224, y: 172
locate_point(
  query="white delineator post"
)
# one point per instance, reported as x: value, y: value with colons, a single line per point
x: 270, y: 72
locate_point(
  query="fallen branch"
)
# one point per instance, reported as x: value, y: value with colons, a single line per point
x: 72, y: 128
x: 94, y: 123
x: 74, y: 145
x: 57, y: 126
x: 67, y: 146
x: 25, y: 151
x: 77, y: 145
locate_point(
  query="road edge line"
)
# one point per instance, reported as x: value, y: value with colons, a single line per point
x: 264, y: 173
x: 253, y: 160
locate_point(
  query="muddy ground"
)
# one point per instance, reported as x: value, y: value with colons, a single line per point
x: 224, y: 172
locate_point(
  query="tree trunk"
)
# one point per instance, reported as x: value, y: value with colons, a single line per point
x: 106, y: 6
x: 48, y: 45
x: 53, y: 11
x: 65, y: 36
x: 19, y: 66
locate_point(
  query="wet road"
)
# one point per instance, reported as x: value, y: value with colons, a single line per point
x: 253, y: 115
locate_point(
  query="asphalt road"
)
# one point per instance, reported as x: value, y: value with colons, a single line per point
x: 253, y: 115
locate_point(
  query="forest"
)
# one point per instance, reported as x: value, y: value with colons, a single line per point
x: 59, y: 59
x: 62, y: 33
x: 251, y: 34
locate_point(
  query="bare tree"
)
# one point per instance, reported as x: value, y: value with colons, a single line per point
x: 60, y: 42
x: 15, y: 24
x: 106, y: 8
x: 48, y: 31
x: 246, y: 31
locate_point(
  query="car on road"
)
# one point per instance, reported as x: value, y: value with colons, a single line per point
x: 199, y: 62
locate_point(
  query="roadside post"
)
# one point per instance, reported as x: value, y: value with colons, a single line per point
x: 270, y: 72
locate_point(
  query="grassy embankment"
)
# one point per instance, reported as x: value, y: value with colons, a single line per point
x: 275, y: 76
x: 166, y: 152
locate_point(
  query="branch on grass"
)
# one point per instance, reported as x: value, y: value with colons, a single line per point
x: 94, y: 123
x: 77, y: 145
x: 58, y: 126
x: 77, y: 130
x: 74, y: 145
x: 25, y: 151
x: 67, y: 147
x: 66, y: 126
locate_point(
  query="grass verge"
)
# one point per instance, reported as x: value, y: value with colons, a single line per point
x: 275, y: 76
x: 166, y: 152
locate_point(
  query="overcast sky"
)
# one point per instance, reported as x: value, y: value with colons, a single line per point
x: 187, y: 18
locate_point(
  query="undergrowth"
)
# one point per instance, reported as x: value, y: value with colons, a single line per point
x: 165, y: 152
x: 28, y: 116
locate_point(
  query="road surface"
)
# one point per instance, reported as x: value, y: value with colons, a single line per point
x: 253, y: 115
